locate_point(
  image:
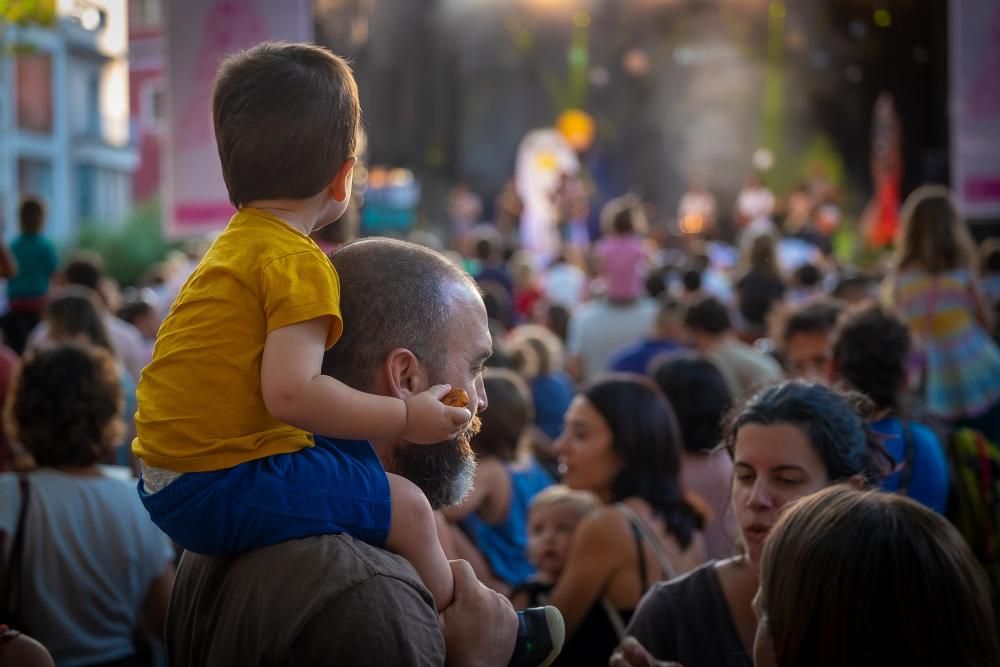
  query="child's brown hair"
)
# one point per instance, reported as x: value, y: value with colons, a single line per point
x: 286, y: 119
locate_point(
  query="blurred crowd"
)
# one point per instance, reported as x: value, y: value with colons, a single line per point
x: 658, y: 398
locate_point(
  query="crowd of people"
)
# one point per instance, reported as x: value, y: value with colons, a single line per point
x: 772, y: 460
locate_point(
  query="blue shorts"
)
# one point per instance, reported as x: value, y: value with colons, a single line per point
x: 337, y: 486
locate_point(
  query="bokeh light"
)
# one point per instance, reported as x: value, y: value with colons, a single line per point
x: 882, y: 18
x: 578, y: 128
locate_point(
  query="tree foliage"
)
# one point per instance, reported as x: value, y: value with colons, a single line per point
x: 27, y: 12
x: 130, y: 250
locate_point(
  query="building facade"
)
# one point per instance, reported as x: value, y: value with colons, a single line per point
x: 64, y: 119
x: 147, y: 84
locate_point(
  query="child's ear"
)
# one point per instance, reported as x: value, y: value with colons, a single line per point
x: 340, y: 186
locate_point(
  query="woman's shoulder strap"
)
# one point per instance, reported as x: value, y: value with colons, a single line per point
x: 643, y: 531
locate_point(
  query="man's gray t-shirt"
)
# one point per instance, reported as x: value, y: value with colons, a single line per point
x: 316, y: 601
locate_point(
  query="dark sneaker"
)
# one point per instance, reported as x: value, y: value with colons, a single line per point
x: 540, y: 636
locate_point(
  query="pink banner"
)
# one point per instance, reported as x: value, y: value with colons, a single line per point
x: 199, y: 35
x: 975, y: 106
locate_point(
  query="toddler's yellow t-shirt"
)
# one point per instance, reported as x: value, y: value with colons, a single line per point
x: 200, y: 405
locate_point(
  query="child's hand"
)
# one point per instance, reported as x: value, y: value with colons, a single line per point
x: 428, y: 420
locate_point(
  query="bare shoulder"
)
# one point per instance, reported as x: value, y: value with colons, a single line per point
x: 605, y: 523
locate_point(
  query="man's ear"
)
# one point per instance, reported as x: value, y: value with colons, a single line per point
x: 406, y: 375
x: 340, y: 186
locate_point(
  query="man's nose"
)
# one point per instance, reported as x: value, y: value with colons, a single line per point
x: 483, y: 400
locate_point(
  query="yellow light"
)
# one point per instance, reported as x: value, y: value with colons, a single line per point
x: 578, y: 128
x: 581, y: 19
x: 777, y: 10
x: 547, y: 161
x: 692, y: 224
x: 882, y: 18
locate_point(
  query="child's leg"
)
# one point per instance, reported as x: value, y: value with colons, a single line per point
x: 333, y: 487
x: 413, y: 535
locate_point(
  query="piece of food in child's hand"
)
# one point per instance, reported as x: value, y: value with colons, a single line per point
x: 456, y: 398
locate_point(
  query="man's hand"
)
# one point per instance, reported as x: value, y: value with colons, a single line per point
x: 480, y: 625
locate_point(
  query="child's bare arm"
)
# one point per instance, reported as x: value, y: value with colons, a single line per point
x: 296, y: 392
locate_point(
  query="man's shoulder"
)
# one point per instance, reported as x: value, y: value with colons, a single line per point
x: 291, y: 593
x: 335, y: 562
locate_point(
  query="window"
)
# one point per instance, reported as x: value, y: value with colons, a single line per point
x: 86, y: 191
x: 34, y: 92
x: 93, y: 108
x: 152, y: 105
x: 146, y: 15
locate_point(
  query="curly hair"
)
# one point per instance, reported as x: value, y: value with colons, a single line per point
x: 870, y: 349
x: 65, y: 405
x: 833, y: 421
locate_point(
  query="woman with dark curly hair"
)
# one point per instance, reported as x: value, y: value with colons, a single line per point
x: 788, y: 441
x: 621, y: 443
x: 870, y: 349
x: 72, y: 317
x: 97, y: 563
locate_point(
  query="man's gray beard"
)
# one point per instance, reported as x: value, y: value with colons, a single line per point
x: 444, y: 471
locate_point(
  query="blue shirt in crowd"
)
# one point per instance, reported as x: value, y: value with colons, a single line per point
x: 36, y: 262
x: 505, y: 544
x: 929, y: 481
x: 551, y: 395
x: 636, y: 357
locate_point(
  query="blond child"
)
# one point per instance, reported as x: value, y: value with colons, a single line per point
x: 552, y: 519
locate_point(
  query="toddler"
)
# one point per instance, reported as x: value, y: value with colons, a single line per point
x: 552, y: 519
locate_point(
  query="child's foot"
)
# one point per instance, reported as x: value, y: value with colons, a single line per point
x: 540, y: 636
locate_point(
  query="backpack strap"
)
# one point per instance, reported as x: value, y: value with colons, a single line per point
x: 986, y: 490
x: 909, y: 456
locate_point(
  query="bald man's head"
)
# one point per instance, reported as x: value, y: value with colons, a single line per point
x: 394, y: 294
